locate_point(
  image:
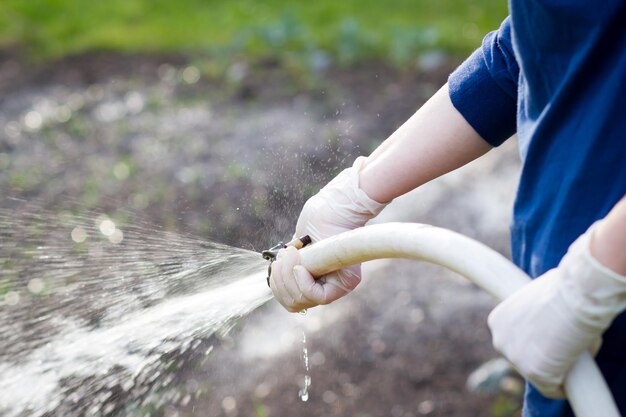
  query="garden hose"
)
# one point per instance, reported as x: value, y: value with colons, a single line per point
x: 585, y: 387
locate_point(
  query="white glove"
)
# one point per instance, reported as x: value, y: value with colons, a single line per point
x: 544, y: 327
x: 340, y: 206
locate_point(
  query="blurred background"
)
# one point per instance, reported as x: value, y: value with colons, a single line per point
x: 217, y: 119
x: 213, y: 90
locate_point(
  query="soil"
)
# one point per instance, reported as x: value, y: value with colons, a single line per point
x: 232, y: 158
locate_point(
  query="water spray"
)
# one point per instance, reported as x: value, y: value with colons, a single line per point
x: 585, y: 386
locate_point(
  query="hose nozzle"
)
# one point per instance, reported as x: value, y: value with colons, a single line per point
x: 271, y: 253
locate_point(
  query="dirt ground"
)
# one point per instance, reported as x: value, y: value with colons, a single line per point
x: 232, y: 159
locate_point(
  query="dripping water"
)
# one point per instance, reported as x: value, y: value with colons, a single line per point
x: 304, y: 392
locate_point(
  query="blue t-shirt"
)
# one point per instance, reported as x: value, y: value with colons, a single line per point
x: 555, y: 73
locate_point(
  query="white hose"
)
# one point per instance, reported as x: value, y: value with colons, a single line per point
x: 586, y: 389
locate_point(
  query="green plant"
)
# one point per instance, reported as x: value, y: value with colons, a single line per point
x: 347, y: 31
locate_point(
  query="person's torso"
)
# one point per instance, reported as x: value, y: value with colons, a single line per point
x: 571, y: 122
x: 572, y: 136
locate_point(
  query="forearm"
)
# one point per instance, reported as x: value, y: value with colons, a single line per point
x: 434, y: 141
x: 608, y: 244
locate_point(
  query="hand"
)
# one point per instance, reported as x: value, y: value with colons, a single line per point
x: 544, y: 327
x: 295, y: 288
x: 340, y: 206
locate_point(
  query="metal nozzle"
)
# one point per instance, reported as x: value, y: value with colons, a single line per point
x: 271, y: 253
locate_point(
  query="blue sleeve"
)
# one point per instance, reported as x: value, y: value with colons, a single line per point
x: 484, y: 87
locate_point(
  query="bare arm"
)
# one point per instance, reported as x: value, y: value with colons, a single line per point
x: 434, y: 141
x: 437, y: 140
x: 608, y: 244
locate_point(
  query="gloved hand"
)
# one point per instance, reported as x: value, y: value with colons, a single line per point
x: 544, y: 327
x: 340, y: 206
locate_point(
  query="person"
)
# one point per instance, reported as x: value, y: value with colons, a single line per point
x: 555, y: 74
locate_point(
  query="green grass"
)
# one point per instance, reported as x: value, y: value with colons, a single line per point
x: 344, y: 30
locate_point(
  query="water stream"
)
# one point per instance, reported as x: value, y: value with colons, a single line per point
x: 304, y: 392
x: 97, y: 315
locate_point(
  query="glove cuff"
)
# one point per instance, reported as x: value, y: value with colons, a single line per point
x: 598, y: 292
x: 361, y: 196
x: 348, y: 198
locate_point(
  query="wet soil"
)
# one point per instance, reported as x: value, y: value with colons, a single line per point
x: 232, y: 157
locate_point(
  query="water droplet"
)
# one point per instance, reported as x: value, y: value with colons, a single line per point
x: 116, y: 237
x: 229, y: 404
x: 302, y: 312
x: 33, y: 120
x: 12, y: 298
x: 36, y: 285
x: 191, y: 75
x: 304, y: 395
x: 79, y: 234
x: 107, y: 227
x: 426, y: 407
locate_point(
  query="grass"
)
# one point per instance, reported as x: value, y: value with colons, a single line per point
x: 345, y: 31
